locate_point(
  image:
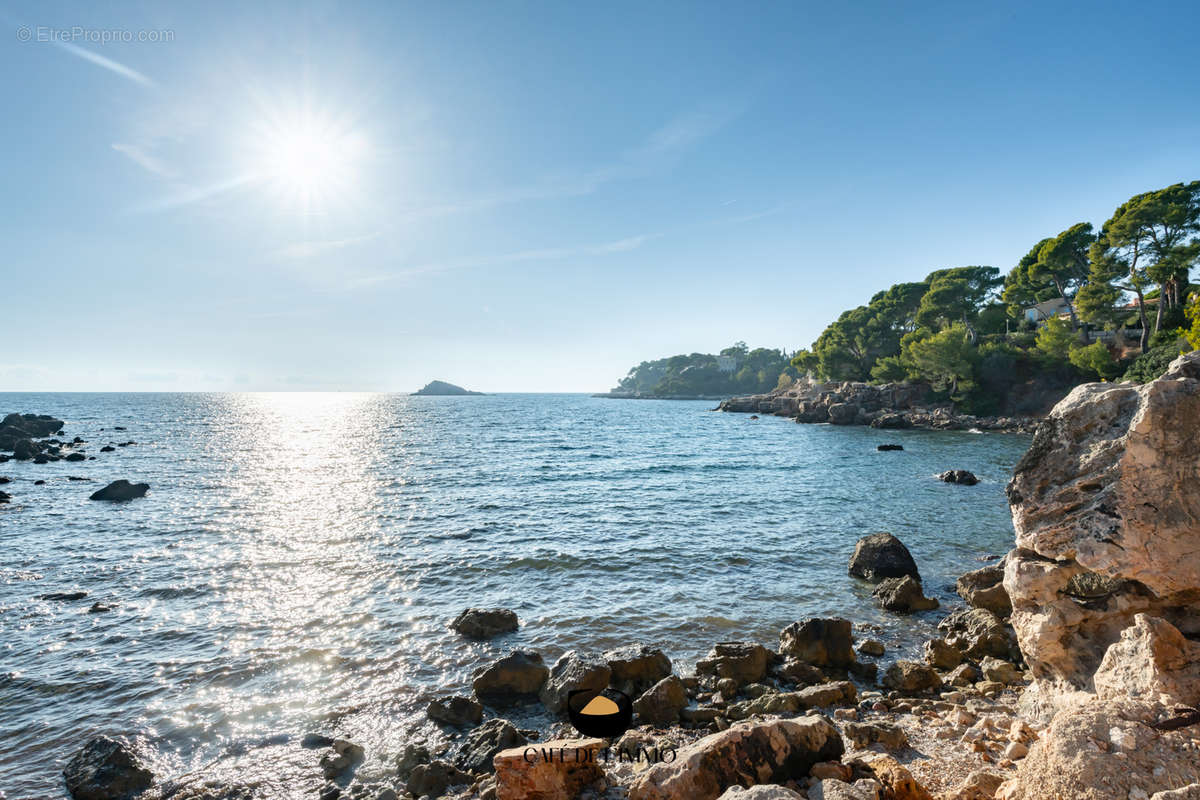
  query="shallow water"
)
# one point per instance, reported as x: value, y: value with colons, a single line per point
x: 299, y: 555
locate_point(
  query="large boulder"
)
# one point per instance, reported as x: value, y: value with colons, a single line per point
x: 843, y: 413
x: 1107, y: 520
x: 744, y: 662
x: 637, y: 667
x: 903, y: 595
x: 120, y: 491
x: 485, y: 623
x: 519, y: 674
x: 485, y: 742
x: 984, y: 588
x: 1152, y: 661
x: 959, y: 476
x: 819, y: 696
x: 455, y: 711
x: 978, y: 632
x: 661, y: 703
x: 764, y: 791
x: 882, y: 555
x: 435, y: 778
x: 554, y: 770
x: 910, y: 676
x: 1105, y: 750
x: 822, y: 642
x: 106, y: 769
x: 743, y: 755
x: 574, y: 671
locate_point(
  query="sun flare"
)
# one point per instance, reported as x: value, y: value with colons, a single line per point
x: 307, y: 159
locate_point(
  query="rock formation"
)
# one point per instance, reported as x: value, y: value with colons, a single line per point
x: 1106, y: 507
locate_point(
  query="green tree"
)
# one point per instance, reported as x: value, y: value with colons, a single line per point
x: 1193, y: 314
x: 1095, y: 358
x: 946, y: 359
x: 1054, y: 339
x: 956, y: 296
x: 1021, y: 290
x: 1062, y: 262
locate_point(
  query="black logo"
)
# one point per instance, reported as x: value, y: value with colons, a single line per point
x: 604, y: 713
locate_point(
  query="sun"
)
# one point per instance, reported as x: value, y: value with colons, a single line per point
x: 306, y: 159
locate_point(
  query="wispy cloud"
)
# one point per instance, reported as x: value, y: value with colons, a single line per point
x: 106, y: 63
x: 145, y: 160
x: 312, y: 249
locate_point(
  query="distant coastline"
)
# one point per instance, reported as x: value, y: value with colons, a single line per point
x: 443, y: 389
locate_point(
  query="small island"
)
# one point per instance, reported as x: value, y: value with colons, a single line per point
x: 441, y: 388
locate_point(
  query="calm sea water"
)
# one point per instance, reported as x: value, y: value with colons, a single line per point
x: 299, y: 555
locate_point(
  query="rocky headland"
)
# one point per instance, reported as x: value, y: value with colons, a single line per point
x: 888, y: 405
x: 1071, y: 670
x: 441, y: 388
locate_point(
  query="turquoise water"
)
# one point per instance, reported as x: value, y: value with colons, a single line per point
x: 299, y: 555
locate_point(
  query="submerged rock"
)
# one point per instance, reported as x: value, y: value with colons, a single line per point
x: 120, y: 491
x: 484, y: 623
x: 959, y: 476
x: 747, y: 753
x: 435, y: 778
x: 882, y: 555
x: 106, y: 769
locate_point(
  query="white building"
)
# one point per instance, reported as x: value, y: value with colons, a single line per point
x: 1047, y: 309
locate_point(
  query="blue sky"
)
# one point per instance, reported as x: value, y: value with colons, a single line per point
x: 536, y: 196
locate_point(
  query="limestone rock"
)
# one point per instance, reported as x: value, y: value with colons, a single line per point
x: 819, y: 696
x: 745, y: 754
x: 637, y: 667
x: 456, y: 711
x: 572, y: 672
x: 941, y: 655
x: 978, y: 632
x: 435, y: 778
x: 994, y: 669
x: 979, y: 785
x: 1189, y: 792
x: 909, y: 676
x: 833, y: 789
x: 865, y: 734
x: 882, y: 555
x: 1107, y: 521
x: 822, y: 642
x: 485, y: 623
x: 1151, y: 661
x: 984, y: 588
x: 898, y: 783
x: 764, y: 791
x: 513, y: 677
x: 485, y: 742
x: 903, y: 595
x: 106, y: 769
x: 661, y: 703
x: 744, y: 662
x: 554, y: 770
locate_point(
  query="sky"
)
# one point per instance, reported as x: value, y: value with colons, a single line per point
x: 535, y: 197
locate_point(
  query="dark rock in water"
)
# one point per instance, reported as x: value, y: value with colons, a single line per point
x: 106, y: 769
x: 314, y: 741
x: 432, y: 780
x: 881, y: 555
x: 410, y: 758
x: 77, y: 478
x: 824, y: 642
x: 42, y: 458
x: 126, y: 444
x: 959, y: 476
x: 118, y: 428
x: 456, y: 711
x: 77, y: 440
x: 754, y: 416
x: 63, y: 596
x: 76, y: 457
x: 108, y: 448
x: 24, y: 450
x: 637, y: 667
x: 443, y: 388
x: 888, y: 447
x: 27, y: 426
x: 484, y: 742
x: 573, y: 671
x: 100, y: 608
x: 5, y: 497
x: 743, y: 662
x: 484, y: 623
x: 519, y: 674
x: 903, y: 595
x: 4, y: 479
x: 39, y: 482
x: 121, y: 490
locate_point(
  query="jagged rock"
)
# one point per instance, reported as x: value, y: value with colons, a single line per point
x: 744, y: 662
x: 661, y: 703
x: 747, y: 753
x: 822, y: 642
x: 519, y: 674
x: 902, y: 595
x: 559, y: 770
x: 410, y: 758
x: 794, y: 670
x: 486, y: 741
x: 843, y: 413
x: 979, y: 785
x: 342, y: 756
x: 898, y: 783
x: 909, y: 676
x: 984, y: 588
x: 882, y: 555
x: 1151, y: 661
x: 485, y: 623
x: 435, y: 778
x: 1189, y: 792
x: 764, y: 791
x: 865, y: 734
x: 833, y: 789
x: 120, y: 491
x: 637, y: 667
x: 959, y: 476
x: 1105, y: 750
x: 106, y: 769
x: 820, y: 696
x: 456, y: 711
x: 871, y: 647
x: 27, y: 426
x: 25, y: 449
x: 1107, y: 521
x: 891, y: 422
x: 994, y: 669
x: 941, y: 655
x: 573, y: 671
x: 978, y: 632
x: 962, y: 675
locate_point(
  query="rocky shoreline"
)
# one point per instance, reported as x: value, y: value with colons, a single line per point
x: 1072, y: 671
x: 888, y: 406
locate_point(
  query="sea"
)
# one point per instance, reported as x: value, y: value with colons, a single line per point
x: 297, y: 559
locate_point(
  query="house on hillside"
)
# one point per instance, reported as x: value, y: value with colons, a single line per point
x: 727, y: 364
x: 1047, y: 309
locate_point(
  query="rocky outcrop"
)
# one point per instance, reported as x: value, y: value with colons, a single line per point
x: 556, y: 770
x: 744, y: 755
x: 106, y: 769
x: 485, y: 742
x: 959, y: 476
x: 984, y: 588
x: 661, y: 703
x: 456, y: 711
x: 574, y: 671
x: 121, y: 491
x: 903, y: 595
x: 513, y: 678
x: 18, y: 427
x: 821, y: 642
x: 637, y: 667
x: 485, y: 623
x: 1152, y: 661
x: 881, y: 555
x: 743, y: 662
x: 1107, y: 520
